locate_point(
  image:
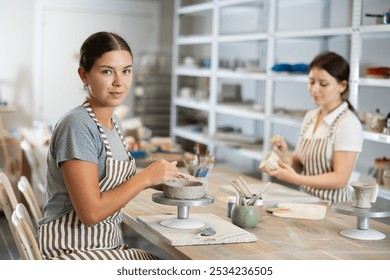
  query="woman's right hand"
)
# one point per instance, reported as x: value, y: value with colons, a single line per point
x: 159, y: 171
x: 280, y: 147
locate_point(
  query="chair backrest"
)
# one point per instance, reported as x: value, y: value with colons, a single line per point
x: 12, y: 155
x: 21, y: 220
x: 8, y: 208
x: 25, y: 188
x: 37, y: 172
x: 8, y: 194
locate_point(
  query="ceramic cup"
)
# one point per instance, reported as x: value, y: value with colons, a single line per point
x: 363, y: 194
x: 270, y: 161
x: 246, y: 216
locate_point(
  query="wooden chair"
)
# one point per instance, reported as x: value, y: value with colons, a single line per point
x: 27, y: 238
x: 10, y: 195
x: 37, y: 178
x: 12, y: 156
x: 25, y: 188
x: 8, y: 202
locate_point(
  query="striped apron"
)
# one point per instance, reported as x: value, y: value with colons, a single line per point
x: 312, y: 153
x: 68, y: 238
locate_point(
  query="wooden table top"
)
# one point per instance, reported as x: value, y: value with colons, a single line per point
x: 277, y: 238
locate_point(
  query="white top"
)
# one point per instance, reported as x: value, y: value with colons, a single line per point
x: 347, y: 133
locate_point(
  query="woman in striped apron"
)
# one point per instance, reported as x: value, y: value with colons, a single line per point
x: 91, y: 175
x: 331, y: 135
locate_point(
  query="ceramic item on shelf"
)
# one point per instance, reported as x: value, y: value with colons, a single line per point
x: 378, y: 72
x: 186, y: 92
x: 375, y: 121
x: 381, y: 164
x: 270, y: 161
x: 189, y: 61
x: 363, y: 194
x: 246, y: 216
x: 384, y: 17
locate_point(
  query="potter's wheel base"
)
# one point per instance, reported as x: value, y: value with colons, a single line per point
x: 182, y: 223
x: 363, y: 234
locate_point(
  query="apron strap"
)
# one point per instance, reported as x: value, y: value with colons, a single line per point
x: 87, y: 107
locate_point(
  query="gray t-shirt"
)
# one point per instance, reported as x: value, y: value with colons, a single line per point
x: 76, y: 136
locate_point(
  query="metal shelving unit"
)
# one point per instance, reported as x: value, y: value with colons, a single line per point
x: 272, y: 37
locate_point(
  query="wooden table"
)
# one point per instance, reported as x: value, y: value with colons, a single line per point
x: 277, y: 238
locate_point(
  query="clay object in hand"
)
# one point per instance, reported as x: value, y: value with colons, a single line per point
x: 270, y: 161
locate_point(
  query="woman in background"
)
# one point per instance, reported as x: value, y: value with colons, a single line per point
x: 91, y: 174
x: 331, y: 135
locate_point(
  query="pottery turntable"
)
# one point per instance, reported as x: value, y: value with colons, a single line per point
x: 363, y: 230
x: 182, y: 220
x: 183, y: 194
x: 361, y: 208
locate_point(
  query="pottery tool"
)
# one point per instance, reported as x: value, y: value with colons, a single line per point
x: 253, y: 200
x: 240, y: 185
x: 198, y: 165
x: 209, y: 231
x: 244, y: 195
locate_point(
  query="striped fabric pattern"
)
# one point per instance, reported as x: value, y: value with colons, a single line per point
x: 312, y: 155
x: 68, y: 238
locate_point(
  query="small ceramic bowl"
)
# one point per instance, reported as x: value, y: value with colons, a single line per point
x: 270, y: 161
x: 246, y: 216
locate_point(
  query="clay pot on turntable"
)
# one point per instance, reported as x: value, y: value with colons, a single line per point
x: 184, y: 189
x: 363, y: 194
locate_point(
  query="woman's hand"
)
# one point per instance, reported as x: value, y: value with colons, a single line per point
x: 280, y: 147
x: 284, y: 173
x: 158, y: 172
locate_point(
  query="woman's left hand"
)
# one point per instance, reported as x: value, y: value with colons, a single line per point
x: 285, y: 172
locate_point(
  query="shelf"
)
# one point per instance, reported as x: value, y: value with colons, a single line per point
x: 242, y: 37
x: 374, y: 82
x: 240, y: 110
x: 195, y: 8
x: 194, y: 72
x: 289, y: 77
x: 262, y: 40
x: 314, y: 33
x: 255, y: 153
x: 7, y: 108
x: 375, y: 28
x: 287, y: 120
x: 241, y: 75
x: 192, y: 103
x: 227, y: 3
x: 189, y: 40
x: 377, y: 137
x: 185, y: 132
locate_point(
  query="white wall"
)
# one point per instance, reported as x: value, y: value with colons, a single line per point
x: 16, y: 59
x: 20, y: 78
